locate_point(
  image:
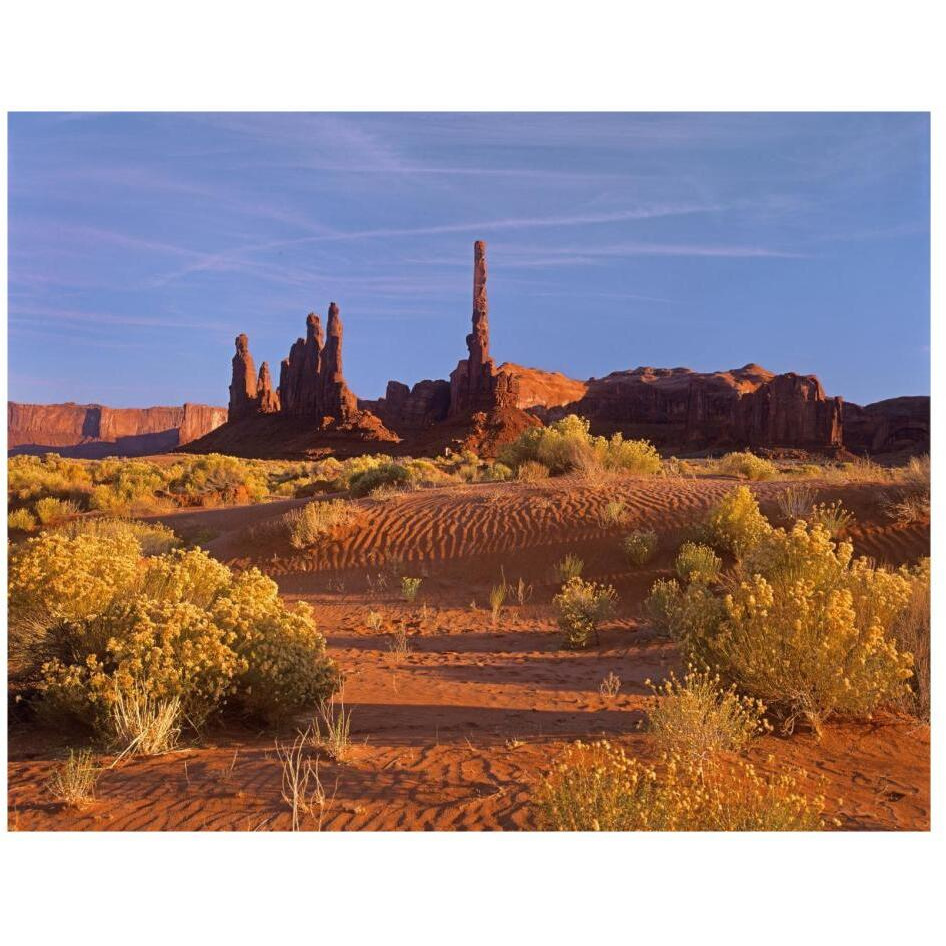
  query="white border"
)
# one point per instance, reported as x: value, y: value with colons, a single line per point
x: 492, y: 56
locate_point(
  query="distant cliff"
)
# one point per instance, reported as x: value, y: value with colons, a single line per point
x: 93, y: 430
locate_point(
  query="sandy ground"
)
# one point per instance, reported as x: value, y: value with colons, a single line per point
x: 454, y: 734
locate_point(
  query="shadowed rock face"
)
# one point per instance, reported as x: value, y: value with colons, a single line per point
x: 896, y: 424
x: 243, y: 400
x: 743, y: 407
x: 92, y: 430
x: 267, y: 398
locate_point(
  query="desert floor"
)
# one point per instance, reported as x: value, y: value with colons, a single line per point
x: 454, y: 734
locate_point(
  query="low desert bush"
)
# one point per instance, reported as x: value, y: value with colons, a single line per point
x: 683, y: 612
x: 748, y: 466
x: 390, y: 474
x: 580, y: 608
x: 532, y: 472
x: 73, y: 782
x: 832, y: 517
x: 51, y: 511
x: 21, y: 520
x: 317, y: 520
x: 807, y: 629
x: 695, y: 562
x: 152, y: 537
x: 598, y: 787
x: 571, y: 566
x: 117, y: 641
x: 911, y: 502
x: 911, y: 629
x: 697, y: 716
x: 795, y: 502
x: 736, y: 525
x: 567, y: 446
x: 614, y: 512
x: 214, y: 479
x: 639, y: 546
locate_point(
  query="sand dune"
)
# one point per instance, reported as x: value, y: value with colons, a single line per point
x: 456, y: 734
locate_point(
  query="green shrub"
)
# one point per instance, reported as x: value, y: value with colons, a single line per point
x: 213, y: 479
x: 631, y: 456
x: 308, y: 525
x: 580, y: 607
x: 683, y: 612
x: 639, y: 546
x: 599, y: 788
x: 391, y: 474
x: 736, y: 525
x: 695, y: 562
x: 747, y: 465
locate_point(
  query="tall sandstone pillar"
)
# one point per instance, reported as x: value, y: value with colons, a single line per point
x: 243, y: 387
x: 336, y: 401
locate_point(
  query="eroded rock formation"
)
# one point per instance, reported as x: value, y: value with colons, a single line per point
x: 677, y: 407
x: 92, y: 430
x: 243, y: 400
x: 267, y: 399
x: 894, y: 425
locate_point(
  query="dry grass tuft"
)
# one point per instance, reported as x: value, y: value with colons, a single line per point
x: 74, y: 781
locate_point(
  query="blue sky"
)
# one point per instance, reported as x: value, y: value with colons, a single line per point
x: 141, y: 244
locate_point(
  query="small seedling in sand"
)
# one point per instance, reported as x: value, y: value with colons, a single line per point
x: 514, y: 742
x: 74, y: 781
x: 833, y: 517
x: 377, y: 584
x: 374, y: 620
x: 610, y: 685
x: 399, y: 645
x: 523, y: 592
x: 571, y: 566
x: 330, y: 730
x: 410, y: 587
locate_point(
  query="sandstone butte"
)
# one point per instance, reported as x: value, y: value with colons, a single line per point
x: 91, y: 431
x: 484, y: 405
x: 481, y: 406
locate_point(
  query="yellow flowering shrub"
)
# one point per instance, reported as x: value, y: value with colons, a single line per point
x: 808, y: 629
x: 188, y: 575
x: 167, y: 649
x: 695, y: 717
x: 695, y: 562
x: 598, y: 787
x: 112, y: 635
x: 746, y: 464
x: 67, y: 578
x: 736, y: 525
x: 567, y: 445
x: 284, y: 664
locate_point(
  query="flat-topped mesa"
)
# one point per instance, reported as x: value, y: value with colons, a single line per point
x: 336, y: 400
x: 267, y: 398
x: 243, y: 387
